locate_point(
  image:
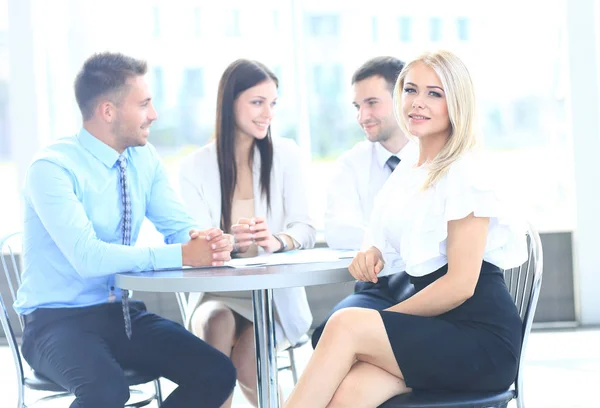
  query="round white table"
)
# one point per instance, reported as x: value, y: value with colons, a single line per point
x: 261, y: 281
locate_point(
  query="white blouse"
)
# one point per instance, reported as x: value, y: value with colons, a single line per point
x: 414, y: 222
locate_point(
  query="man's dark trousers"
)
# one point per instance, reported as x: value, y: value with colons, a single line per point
x: 85, y: 350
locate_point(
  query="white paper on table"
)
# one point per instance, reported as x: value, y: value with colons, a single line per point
x: 293, y: 257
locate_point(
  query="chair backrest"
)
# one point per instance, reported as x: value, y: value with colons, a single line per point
x: 10, y: 248
x: 11, y: 256
x: 524, y: 284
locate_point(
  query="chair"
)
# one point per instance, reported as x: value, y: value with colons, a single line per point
x: 291, y: 361
x: 524, y: 283
x: 27, y: 379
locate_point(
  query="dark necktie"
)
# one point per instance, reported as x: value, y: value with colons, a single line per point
x: 126, y: 234
x: 392, y: 162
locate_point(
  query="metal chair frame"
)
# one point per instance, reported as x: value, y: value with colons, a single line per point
x: 526, y: 292
x: 25, y: 381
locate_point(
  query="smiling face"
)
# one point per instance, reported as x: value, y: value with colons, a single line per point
x: 424, y: 106
x: 254, y: 109
x: 134, y: 114
x: 374, y: 108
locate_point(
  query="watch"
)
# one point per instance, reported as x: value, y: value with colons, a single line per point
x: 283, y: 243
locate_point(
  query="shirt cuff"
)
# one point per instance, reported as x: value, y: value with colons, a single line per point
x: 294, y: 240
x: 168, y: 256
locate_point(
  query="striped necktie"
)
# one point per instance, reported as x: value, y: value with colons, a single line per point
x: 126, y: 234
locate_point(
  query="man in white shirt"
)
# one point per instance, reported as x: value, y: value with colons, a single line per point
x: 360, y: 173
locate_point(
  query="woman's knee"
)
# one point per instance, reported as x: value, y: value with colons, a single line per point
x: 345, y: 322
x: 213, y: 318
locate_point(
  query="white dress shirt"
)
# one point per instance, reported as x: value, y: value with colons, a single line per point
x: 289, y: 214
x: 359, y: 175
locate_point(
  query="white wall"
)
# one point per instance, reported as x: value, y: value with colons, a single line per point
x: 584, y: 111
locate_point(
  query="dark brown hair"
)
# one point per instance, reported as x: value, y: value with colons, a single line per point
x: 240, y: 75
x: 386, y: 67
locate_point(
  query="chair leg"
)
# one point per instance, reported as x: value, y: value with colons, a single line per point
x: 21, y: 395
x: 520, y: 399
x: 293, y: 365
x: 158, y: 392
x: 141, y: 403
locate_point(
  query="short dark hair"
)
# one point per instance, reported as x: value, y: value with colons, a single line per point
x: 104, y: 74
x: 386, y: 67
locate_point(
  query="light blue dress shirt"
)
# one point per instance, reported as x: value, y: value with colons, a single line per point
x: 72, y: 227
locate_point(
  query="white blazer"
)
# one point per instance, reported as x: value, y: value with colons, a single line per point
x: 200, y: 190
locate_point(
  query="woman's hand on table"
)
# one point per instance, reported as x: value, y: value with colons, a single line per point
x: 366, y: 265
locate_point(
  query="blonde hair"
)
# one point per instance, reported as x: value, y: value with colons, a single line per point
x: 460, y: 98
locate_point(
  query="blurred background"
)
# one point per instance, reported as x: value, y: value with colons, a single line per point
x: 517, y: 57
x: 535, y: 64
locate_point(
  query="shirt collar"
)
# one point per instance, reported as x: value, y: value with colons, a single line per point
x: 382, y: 154
x: 100, y: 150
x: 407, y: 152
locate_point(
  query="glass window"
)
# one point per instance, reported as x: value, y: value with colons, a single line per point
x: 329, y: 112
x: 328, y: 81
x: 522, y: 120
x: 462, y: 28
x: 324, y: 25
x: 5, y: 148
x: 276, y: 21
x: 232, y: 23
x: 191, y: 95
x: 405, y: 29
x: 193, y: 83
x: 278, y: 73
x: 158, y: 86
x: 197, y: 22
x: 435, y: 29
x: 156, y: 13
x: 9, y: 204
x: 375, y: 29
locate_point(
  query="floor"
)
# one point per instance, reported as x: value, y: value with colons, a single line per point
x: 562, y: 370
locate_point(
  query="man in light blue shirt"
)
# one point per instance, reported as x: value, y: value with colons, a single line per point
x: 85, y: 199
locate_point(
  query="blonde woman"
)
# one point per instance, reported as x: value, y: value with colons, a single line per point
x: 444, y: 216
